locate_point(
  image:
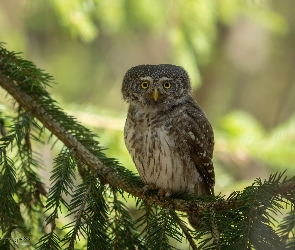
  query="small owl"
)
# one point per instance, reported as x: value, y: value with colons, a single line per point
x: 166, y: 132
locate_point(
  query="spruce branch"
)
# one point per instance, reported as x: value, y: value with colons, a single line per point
x: 162, y: 228
x: 111, y: 175
x: 90, y: 215
x: 287, y: 228
x: 214, y: 228
x: 123, y: 226
x: 71, y: 236
x: 62, y: 183
x: 243, y: 220
x: 97, y: 222
x: 185, y: 230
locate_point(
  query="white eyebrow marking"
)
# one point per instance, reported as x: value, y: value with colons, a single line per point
x: 148, y: 78
x: 162, y: 79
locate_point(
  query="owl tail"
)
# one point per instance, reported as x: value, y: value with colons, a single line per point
x: 194, y: 219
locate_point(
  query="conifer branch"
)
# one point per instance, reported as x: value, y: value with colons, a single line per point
x: 110, y: 175
x: 185, y: 230
x: 245, y: 219
x: 78, y: 219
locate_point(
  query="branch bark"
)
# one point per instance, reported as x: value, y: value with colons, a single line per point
x: 30, y: 104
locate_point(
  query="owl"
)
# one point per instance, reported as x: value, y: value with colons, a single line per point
x: 166, y: 132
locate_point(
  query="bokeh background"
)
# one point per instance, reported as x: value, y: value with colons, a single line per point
x: 240, y: 55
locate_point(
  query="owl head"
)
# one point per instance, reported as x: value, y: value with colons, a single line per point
x: 151, y: 85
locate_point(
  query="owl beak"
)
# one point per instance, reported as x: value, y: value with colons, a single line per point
x: 155, y: 94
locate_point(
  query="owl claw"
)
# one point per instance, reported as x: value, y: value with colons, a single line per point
x: 148, y: 188
x: 164, y: 193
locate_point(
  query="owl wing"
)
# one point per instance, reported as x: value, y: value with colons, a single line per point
x: 198, y: 135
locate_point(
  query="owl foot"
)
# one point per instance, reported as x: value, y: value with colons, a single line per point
x: 148, y: 188
x: 164, y: 193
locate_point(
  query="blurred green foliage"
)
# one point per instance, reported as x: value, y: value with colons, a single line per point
x: 243, y: 136
x: 89, y: 44
x: 249, y: 96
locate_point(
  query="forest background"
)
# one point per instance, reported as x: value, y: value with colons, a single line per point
x: 240, y: 56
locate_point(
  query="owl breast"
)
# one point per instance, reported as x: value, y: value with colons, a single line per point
x: 155, y: 150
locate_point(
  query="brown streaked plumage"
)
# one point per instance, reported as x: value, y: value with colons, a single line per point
x: 166, y: 132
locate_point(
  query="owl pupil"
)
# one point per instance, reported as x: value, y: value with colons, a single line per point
x: 144, y: 85
x: 167, y: 85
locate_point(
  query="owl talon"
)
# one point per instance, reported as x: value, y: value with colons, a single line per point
x: 164, y: 193
x: 148, y: 188
x: 168, y: 193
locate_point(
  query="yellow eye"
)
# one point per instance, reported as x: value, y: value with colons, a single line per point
x: 167, y: 85
x: 144, y: 85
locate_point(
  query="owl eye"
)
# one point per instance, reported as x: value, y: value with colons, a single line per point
x: 144, y: 85
x: 167, y: 85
